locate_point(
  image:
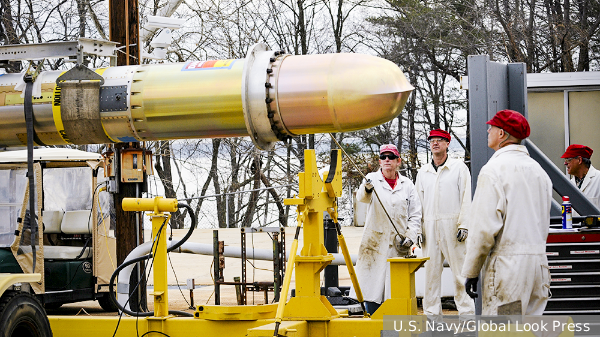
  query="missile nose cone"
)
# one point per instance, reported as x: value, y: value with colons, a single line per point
x: 339, y: 92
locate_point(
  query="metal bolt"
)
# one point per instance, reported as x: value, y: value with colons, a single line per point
x: 269, y: 71
x: 272, y: 59
x: 268, y: 85
x: 269, y: 100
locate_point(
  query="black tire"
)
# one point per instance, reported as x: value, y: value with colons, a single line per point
x: 22, y: 315
x: 106, y: 304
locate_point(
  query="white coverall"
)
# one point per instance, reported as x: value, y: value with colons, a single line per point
x: 590, y: 186
x: 508, y: 227
x: 445, y: 195
x: 376, y: 246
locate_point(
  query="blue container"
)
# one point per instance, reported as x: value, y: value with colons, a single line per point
x: 567, y: 216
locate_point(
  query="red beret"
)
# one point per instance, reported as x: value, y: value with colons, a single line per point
x: 511, y: 122
x: 439, y: 133
x: 576, y: 150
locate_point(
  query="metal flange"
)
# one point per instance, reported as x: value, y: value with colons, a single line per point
x: 256, y: 114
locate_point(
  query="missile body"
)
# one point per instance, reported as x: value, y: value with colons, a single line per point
x: 268, y: 96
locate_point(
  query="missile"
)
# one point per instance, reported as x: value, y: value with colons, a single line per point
x: 268, y: 96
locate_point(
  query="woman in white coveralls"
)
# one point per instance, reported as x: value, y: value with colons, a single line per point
x: 380, y: 240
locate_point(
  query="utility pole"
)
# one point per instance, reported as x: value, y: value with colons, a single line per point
x: 125, y: 29
x: 124, y: 25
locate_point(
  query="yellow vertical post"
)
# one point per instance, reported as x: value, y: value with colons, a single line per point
x: 160, y: 219
x: 161, y: 291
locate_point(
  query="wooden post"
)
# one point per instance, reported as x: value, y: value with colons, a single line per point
x: 124, y: 25
x: 125, y: 29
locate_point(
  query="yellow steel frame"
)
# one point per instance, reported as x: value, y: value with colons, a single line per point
x: 306, y: 314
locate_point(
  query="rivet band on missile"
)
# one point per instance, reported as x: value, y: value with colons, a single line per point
x: 268, y: 96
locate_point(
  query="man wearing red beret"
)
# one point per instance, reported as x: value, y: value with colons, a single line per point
x: 584, y: 175
x: 444, y: 187
x: 509, y: 222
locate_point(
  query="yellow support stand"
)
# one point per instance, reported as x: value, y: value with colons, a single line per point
x: 403, y: 299
x: 160, y: 220
x: 314, y: 198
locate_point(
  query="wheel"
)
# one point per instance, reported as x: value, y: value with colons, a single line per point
x: 22, y: 315
x: 106, y: 303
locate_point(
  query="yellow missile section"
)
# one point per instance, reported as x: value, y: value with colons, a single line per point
x: 268, y: 96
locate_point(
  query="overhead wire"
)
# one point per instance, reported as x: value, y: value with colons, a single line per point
x: 213, y: 279
x: 177, y: 281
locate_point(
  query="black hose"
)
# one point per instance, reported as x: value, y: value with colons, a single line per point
x: 189, y: 232
x: 111, y: 288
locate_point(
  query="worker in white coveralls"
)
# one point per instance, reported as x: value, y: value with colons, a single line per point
x: 380, y: 240
x: 509, y: 222
x: 444, y: 188
x: 583, y: 174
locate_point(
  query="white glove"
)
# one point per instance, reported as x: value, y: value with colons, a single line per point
x: 369, y: 186
x: 462, y: 234
x: 407, y: 242
x: 420, y: 240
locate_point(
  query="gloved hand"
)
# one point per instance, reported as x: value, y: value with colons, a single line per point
x: 407, y: 242
x: 420, y: 240
x: 369, y: 186
x: 462, y: 234
x: 471, y: 286
x: 402, y: 244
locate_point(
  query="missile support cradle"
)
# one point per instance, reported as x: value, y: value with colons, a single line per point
x: 307, y: 314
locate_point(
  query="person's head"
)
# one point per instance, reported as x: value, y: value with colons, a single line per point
x: 507, y: 127
x: 389, y: 157
x: 577, y: 159
x: 439, y: 140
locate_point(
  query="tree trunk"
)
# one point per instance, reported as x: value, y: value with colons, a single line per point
x: 235, y: 168
x: 251, y: 209
x: 164, y: 171
x: 82, y: 11
x: 8, y: 35
x: 221, y: 218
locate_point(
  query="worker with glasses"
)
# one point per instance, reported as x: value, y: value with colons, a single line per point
x: 444, y: 188
x: 392, y: 223
x: 583, y: 174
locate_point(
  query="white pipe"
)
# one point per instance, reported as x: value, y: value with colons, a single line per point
x: 202, y: 249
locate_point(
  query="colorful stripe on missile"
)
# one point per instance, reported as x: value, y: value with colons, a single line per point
x: 208, y: 65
